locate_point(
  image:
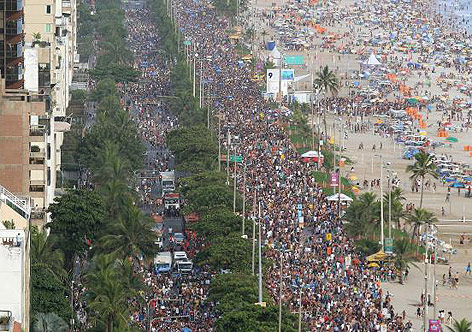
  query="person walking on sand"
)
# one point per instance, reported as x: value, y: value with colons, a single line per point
x: 467, y: 269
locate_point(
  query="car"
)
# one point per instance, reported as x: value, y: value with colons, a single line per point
x: 179, y: 238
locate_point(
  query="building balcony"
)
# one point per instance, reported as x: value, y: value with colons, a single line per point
x: 38, y: 130
x: 37, y: 158
x: 37, y: 186
x: 6, y: 319
x: 37, y: 214
x: 61, y: 124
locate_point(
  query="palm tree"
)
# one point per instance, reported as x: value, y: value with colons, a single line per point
x: 460, y: 326
x: 403, y: 252
x: 362, y: 215
x: 107, y: 297
x: 422, y: 167
x: 326, y: 80
x: 9, y: 224
x: 44, y: 254
x: 131, y: 236
x: 418, y: 218
x: 263, y: 34
x: 397, y: 197
x: 49, y: 322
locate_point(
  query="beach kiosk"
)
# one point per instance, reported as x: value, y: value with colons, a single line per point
x: 312, y: 157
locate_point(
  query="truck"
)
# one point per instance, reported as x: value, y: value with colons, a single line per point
x: 182, y: 263
x: 163, y: 262
x: 172, y: 204
x: 167, y: 182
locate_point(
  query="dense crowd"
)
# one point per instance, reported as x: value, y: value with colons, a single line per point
x: 338, y: 291
x: 174, y: 301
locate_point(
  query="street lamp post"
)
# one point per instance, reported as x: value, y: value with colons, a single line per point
x: 425, y: 298
x: 280, y: 290
x: 260, y: 255
x: 381, y: 203
x: 244, y: 196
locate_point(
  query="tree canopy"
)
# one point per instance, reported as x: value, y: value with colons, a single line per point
x: 77, y: 216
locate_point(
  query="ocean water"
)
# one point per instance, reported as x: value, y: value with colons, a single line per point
x: 459, y: 10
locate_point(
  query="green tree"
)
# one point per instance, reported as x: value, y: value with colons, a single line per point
x: 418, y: 218
x: 49, y: 293
x: 44, y: 254
x: 423, y: 166
x: 105, y: 88
x: 326, y: 80
x: 362, y: 215
x: 107, y: 296
x: 76, y: 216
x: 130, y: 236
x: 460, y: 326
x: 227, y: 252
x: 194, y: 148
x: 116, y: 72
x: 404, y: 254
x: 9, y: 224
x: 117, y: 128
x: 49, y: 322
x: 397, y: 212
x: 218, y: 222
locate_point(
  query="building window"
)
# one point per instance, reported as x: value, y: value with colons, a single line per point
x: 48, y: 9
x: 48, y: 27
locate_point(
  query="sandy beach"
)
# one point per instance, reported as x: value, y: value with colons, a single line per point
x: 427, y: 70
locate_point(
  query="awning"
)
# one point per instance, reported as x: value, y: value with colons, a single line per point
x: 378, y: 256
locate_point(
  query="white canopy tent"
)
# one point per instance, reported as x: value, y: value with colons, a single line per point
x: 372, y: 61
x: 276, y: 56
x: 335, y: 198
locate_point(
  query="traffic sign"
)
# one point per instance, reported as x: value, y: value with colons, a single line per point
x: 388, y: 245
x: 187, y: 42
x: 236, y: 159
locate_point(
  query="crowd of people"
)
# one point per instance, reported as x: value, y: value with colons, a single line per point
x: 321, y: 271
x: 174, y: 301
x: 338, y: 291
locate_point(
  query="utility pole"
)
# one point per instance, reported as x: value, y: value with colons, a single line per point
x: 339, y: 166
x: 389, y: 213
x: 208, y: 116
x: 234, y: 183
x: 425, y: 299
x: 227, y: 157
x: 201, y: 83
x: 260, y: 254
x: 194, y: 72
x: 381, y: 205
x: 434, y: 277
x: 280, y: 290
x: 219, y: 142
x: 312, y: 117
x: 244, y: 196
x: 253, y: 232
x: 300, y: 311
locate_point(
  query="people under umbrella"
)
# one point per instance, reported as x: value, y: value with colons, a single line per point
x: 338, y: 292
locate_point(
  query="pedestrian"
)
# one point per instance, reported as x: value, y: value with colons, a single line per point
x: 467, y: 269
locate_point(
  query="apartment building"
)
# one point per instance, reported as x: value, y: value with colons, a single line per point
x: 14, y: 280
x: 27, y: 140
x: 11, y: 42
x: 37, y: 55
x: 14, y: 262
